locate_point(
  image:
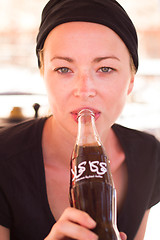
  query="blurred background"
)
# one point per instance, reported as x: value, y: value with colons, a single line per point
x: 22, y: 92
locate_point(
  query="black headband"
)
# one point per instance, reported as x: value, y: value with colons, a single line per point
x: 106, y: 12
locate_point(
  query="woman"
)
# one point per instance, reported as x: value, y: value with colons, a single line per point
x: 87, y: 54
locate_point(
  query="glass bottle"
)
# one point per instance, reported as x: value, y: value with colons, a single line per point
x: 91, y: 185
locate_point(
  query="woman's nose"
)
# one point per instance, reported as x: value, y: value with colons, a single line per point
x: 84, y: 87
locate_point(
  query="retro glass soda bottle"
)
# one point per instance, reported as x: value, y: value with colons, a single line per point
x: 91, y: 185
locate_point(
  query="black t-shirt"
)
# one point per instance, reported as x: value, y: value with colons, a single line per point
x: 24, y: 207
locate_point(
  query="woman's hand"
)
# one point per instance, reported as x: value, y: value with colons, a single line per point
x: 74, y: 224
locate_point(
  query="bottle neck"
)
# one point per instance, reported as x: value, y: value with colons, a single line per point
x: 87, y: 133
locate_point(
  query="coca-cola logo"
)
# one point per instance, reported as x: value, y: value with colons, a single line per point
x: 90, y: 169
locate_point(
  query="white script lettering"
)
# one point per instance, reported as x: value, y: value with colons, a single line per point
x: 78, y: 172
x: 100, y: 168
x: 94, y: 167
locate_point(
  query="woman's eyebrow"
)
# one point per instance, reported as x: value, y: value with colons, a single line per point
x: 63, y: 58
x: 99, y: 59
x: 96, y: 60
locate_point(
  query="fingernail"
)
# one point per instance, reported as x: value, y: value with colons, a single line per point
x: 92, y: 222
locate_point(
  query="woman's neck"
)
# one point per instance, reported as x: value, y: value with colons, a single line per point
x: 56, y: 144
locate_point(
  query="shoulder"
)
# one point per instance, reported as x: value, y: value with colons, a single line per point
x: 141, y: 148
x: 135, y: 136
x: 17, y: 138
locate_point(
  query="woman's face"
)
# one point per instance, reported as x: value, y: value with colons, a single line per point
x: 86, y: 65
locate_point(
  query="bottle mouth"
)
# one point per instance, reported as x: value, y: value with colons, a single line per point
x: 85, y: 112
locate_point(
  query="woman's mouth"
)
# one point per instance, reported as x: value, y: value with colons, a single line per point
x: 75, y: 113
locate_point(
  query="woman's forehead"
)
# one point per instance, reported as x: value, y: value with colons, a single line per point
x: 86, y: 30
x: 90, y: 40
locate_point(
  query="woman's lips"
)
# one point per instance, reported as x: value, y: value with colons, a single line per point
x: 75, y: 113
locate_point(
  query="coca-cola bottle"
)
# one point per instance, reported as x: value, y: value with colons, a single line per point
x: 91, y: 185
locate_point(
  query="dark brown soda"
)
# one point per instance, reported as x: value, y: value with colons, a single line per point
x: 92, y: 191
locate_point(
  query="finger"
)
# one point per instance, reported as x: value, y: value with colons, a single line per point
x: 68, y: 229
x: 79, y: 217
x: 123, y: 236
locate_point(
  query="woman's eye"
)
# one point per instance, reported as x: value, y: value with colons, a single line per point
x: 105, y: 69
x: 62, y: 70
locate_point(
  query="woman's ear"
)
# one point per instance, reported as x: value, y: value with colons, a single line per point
x: 131, y: 84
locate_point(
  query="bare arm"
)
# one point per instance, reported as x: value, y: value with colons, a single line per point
x: 141, y: 232
x: 4, y: 233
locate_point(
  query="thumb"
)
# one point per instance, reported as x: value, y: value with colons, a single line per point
x: 123, y: 236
